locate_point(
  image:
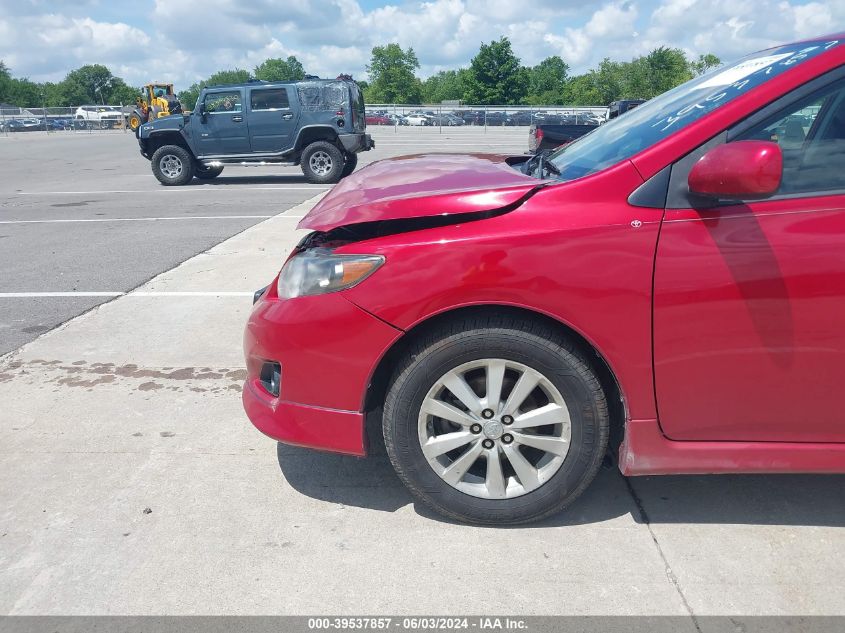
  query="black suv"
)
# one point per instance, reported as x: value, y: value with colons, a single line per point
x: 316, y: 123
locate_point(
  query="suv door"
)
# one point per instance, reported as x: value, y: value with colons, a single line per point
x: 223, y: 129
x: 749, y: 299
x: 272, y: 120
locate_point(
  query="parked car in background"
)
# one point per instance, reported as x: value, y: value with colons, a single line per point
x: 471, y: 117
x: 446, y: 119
x: 98, y: 116
x: 418, y: 118
x: 495, y: 119
x: 22, y: 125
x: 397, y: 119
x: 521, y: 117
x: 621, y: 107
x: 378, y: 119
x: 515, y: 317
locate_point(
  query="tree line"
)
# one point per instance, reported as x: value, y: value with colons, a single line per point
x: 495, y: 76
x: 90, y: 84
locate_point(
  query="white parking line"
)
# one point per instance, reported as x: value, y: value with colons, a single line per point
x: 139, y: 293
x: 187, y: 217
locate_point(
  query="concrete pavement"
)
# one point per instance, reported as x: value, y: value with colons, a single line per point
x: 132, y: 483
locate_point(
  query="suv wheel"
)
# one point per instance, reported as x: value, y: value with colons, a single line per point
x: 207, y: 173
x: 349, y: 165
x: 173, y: 165
x: 322, y: 163
x: 495, y: 420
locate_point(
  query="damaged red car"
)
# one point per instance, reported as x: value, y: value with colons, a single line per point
x: 669, y: 289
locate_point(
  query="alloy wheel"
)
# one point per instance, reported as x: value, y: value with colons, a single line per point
x: 171, y: 166
x: 321, y: 163
x: 494, y: 428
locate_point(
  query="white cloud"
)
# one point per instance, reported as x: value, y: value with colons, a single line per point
x: 44, y: 39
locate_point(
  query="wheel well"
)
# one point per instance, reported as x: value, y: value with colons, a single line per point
x: 167, y: 138
x: 380, y: 382
x: 309, y: 135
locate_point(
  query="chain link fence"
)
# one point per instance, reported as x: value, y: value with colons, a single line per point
x: 90, y: 119
x: 442, y: 115
x: 86, y: 119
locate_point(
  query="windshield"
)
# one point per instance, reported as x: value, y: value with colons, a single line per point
x: 654, y: 120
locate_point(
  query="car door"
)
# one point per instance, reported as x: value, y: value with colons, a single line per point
x: 272, y: 120
x: 749, y: 299
x: 223, y: 129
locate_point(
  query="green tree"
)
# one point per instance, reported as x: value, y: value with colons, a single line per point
x: 25, y: 93
x: 661, y: 70
x: 704, y: 63
x: 5, y: 82
x: 392, y: 75
x: 447, y: 85
x: 189, y: 96
x: 581, y: 91
x: 278, y: 69
x: 93, y: 83
x: 547, y: 82
x: 496, y: 75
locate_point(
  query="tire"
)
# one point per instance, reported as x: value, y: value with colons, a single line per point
x: 471, y: 347
x: 349, y: 165
x: 135, y: 120
x: 173, y: 165
x: 207, y: 173
x: 322, y: 163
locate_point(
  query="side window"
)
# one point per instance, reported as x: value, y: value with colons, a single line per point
x: 229, y: 101
x: 811, y: 135
x: 269, y: 99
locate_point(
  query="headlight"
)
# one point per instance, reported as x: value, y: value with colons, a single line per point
x: 318, y: 271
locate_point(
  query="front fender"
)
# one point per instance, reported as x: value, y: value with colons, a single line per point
x: 576, y: 252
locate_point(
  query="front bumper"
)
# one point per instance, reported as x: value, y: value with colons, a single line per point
x: 328, y: 349
x: 353, y: 143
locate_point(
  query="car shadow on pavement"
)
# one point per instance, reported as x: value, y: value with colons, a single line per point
x: 812, y: 500
x: 274, y: 179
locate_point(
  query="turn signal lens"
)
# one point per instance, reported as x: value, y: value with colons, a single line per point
x: 320, y: 271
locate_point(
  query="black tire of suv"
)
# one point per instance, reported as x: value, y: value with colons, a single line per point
x: 184, y: 157
x: 349, y: 165
x: 335, y: 155
x: 207, y: 173
x: 531, y: 343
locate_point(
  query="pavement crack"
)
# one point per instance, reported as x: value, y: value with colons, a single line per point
x: 670, y: 573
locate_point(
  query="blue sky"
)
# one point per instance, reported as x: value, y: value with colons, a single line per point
x: 183, y: 41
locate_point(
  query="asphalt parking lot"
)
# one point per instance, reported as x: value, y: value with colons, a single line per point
x: 131, y: 482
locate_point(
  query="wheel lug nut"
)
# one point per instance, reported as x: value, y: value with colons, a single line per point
x: 507, y: 438
x: 487, y: 444
x: 487, y: 414
x: 506, y: 419
x: 475, y: 428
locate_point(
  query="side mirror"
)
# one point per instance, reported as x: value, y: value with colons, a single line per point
x: 744, y: 170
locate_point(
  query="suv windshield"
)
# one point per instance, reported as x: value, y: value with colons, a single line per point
x: 654, y: 120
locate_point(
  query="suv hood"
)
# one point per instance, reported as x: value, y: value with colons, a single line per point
x: 421, y: 186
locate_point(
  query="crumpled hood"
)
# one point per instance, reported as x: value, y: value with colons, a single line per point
x: 420, y: 186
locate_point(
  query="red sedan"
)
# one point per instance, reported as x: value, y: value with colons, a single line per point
x: 670, y: 287
x: 378, y: 119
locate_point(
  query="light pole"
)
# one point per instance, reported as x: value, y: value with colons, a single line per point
x: 98, y: 88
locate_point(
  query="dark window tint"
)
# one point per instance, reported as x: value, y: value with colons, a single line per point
x: 269, y: 99
x: 811, y: 135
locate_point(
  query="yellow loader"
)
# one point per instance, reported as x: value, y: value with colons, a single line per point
x: 149, y: 101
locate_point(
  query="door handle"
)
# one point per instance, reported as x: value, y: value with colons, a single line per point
x: 287, y: 116
x: 237, y: 118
